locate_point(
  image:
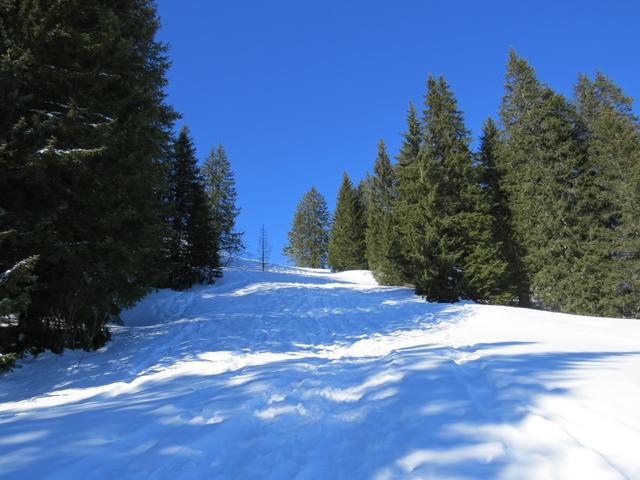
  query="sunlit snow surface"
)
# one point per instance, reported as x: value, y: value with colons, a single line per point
x: 296, y: 373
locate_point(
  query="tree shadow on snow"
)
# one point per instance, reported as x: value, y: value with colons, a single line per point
x: 427, y: 411
x: 331, y: 317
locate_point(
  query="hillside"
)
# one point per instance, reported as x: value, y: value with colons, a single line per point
x: 299, y: 373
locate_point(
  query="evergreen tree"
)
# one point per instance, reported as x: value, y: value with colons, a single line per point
x: 410, y: 190
x: 204, y: 240
x: 83, y: 130
x: 16, y: 285
x: 612, y: 140
x: 364, y: 192
x: 347, y: 240
x: 446, y: 229
x: 264, y: 248
x: 221, y: 190
x: 490, y: 179
x: 544, y: 178
x: 381, y: 239
x: 309, y: 234
x: 194, y: 247
x: 15, y: 290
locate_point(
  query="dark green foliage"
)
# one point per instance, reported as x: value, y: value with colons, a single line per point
x: 309, y: 234
x: 382, y: 240
x: 194, y: 255
x: 15, y: 289
x: 490, y: 179
x: 7, y: 362
x: 16, y: 285
x: 364, y: 193
x: 612, y: 140
x: 408, y: 175
x: 444, y: 225
x: 221, y: 191
x: 83, y: 126
x: 546, y: 183
x: 204, y: 240
x: 347, y: 240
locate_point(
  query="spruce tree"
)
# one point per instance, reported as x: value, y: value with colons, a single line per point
x: 611, y: 135
x: 221, y: 190
x: 446, y: 228
x: 347, y: 240
x: 194, y: 251
x: 381, y: 239
x: 83, y: 129
x: 410, y: 190
x: 491, y: 182
x: 204, y: 240
x: 363, y: 192
x: 545, y: 180
x: 309, y: 234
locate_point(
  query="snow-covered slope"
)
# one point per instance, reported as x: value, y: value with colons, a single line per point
x: 297, y: 373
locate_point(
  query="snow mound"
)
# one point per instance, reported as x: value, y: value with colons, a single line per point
x: 301, y: 373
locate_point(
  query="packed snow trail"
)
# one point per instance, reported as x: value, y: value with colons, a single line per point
x: 298, y: 373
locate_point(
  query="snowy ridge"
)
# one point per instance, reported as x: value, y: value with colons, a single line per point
x: 300, y: 373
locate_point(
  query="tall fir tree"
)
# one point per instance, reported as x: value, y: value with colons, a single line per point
x: 363, y: 192
x: 347, y: 245
x: 445, y: 227
x: 409, y: 185
x: 83, y: 128
x: 204, y: 240
x: 545, y: 180
x: 611, y: 135
x: 309, y: 234
x: 221, y: 191
x: 491, y: 182
x: 194, y: 252
x: 383, y: 249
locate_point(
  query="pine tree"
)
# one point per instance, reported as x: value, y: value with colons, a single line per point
x: 347, y: 240
x: 381, y: 239
x: 309, y: 234
x: 194, y: 236
x: 221, y: 190
x: 611, y: 135
x: 83, y: 129
x: 543, y: 163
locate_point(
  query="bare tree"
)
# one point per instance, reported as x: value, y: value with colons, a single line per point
x: 264, y: 248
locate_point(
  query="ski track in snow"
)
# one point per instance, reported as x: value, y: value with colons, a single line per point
x: 300, y: 373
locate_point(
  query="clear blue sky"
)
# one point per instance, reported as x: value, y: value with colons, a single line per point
x: 300, y: 91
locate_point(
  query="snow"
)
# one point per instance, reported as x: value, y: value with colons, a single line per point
x: 300, y: 373
x: 7, y: 273
x: 69, y: 151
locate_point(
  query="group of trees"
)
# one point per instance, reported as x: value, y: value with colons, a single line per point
x: 542, y: 214
x: 200, y: 212
x: 98, y: 201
